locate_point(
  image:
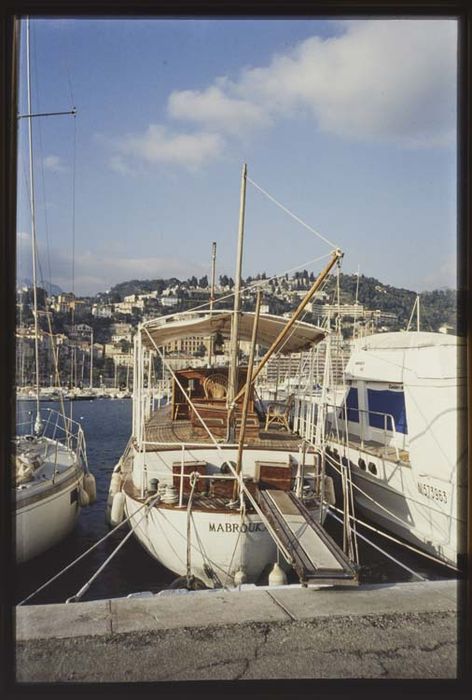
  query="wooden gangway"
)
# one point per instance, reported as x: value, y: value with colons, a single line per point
x: 315, y: 555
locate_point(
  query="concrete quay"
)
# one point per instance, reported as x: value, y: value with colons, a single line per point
x: 387, y: 631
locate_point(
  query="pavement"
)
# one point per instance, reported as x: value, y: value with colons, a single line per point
x: 403, y: 630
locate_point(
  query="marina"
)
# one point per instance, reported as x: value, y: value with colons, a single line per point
x: 260, y: 477
x: 107, y: 426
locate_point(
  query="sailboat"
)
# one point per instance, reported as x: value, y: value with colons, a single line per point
x: 51, y: 476
x: 212, y: 489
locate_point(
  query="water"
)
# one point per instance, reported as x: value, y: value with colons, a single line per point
x: 107, y: 427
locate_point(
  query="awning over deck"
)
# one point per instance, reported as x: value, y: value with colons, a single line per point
x: 166, y: 329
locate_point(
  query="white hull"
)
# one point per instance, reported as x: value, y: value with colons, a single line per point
x: 50, y: 483
x: 46, y: 519
x: 418, y: 508
x: 220, y: 541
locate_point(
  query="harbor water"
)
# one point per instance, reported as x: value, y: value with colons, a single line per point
x: 107, y: 427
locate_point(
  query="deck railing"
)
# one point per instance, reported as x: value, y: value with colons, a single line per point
x: 336, y: 425
x: 59, y: 428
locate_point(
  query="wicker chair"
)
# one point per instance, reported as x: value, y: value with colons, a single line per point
x: 215, y: 386
x: 279, y: 412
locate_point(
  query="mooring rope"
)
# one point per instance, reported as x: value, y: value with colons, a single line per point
x: 75, y: 598
x: 379, y: 549
x: 84, y: 554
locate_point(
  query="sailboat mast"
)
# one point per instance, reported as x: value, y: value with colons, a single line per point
x: 233, y: 368
x: 33, y: 217
x: 91, y: 359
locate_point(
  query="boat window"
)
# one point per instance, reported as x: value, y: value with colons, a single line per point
x: 362, y: 464
x: 344, y: 461
x: 352, y: 403
x: 386, y: 403
x: 372, y: 468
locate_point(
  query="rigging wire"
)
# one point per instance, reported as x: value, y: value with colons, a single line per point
x: 290, y: 213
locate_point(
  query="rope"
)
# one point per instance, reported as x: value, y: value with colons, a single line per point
x: 396, y: 541
x: 193, y: 482
x: 294, y: 216
x: 69, y: 566
x: 75, y: 598
x: 382, y: 551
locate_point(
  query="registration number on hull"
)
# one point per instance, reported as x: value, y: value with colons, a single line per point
x: 432, y: 492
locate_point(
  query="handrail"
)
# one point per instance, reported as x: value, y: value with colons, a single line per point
x: 342, y: 430
x: 60, y: 429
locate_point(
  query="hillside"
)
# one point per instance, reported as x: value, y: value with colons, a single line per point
x: 437, y: 308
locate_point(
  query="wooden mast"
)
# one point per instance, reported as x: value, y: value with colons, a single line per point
x: 233, y: 368
x: 247, y: 395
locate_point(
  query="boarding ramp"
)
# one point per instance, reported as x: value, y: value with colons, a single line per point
x: 316, y: 557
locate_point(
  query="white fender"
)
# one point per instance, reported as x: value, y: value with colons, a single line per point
x: 84, y: 499
x: 117, y: 508
x: 90, y: 487
x: 115, y: 486
x: 277, y: 576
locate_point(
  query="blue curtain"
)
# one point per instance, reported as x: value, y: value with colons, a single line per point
x: 390, y: 402
x: 352, y: 403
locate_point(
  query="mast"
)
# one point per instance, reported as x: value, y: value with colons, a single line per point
x: 37, y: 425
x: 233, y: 368
x: 212, y: 296
x: 247, y: 394
x: 91, y: 359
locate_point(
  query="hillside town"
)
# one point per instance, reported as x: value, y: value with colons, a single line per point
x: 92, y: 337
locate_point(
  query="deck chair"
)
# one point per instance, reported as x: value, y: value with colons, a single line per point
x: 215, y: 386
x: 279, y: 412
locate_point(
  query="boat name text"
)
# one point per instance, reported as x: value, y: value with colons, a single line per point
x: 236, y: 527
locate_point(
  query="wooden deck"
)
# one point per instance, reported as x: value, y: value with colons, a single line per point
x: 162, y: 430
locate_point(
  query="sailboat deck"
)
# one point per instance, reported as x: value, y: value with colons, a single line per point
x: 160, y: 433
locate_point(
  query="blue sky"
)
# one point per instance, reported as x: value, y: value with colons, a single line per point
x: 349, y: 124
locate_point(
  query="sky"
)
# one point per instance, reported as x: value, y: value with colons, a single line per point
x: 348, y: 125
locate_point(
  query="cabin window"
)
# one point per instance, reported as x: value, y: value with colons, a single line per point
x: 353, y: 405
x: 372, y: 468
x: 386, y: 403
x: 361, y: 464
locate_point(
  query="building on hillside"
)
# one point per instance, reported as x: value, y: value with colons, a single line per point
x: 102, y: 310
x: 123, y: 359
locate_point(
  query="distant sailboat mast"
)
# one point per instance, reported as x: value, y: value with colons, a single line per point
x: 37, y: 424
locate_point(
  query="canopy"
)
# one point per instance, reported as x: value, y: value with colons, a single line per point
x: 201, y: 324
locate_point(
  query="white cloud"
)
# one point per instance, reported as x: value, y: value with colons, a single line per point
x: 55, y: 164
x: 216, y: 110
x: 159, y: 145
x: 381, y: 79
x: 98, y: 270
